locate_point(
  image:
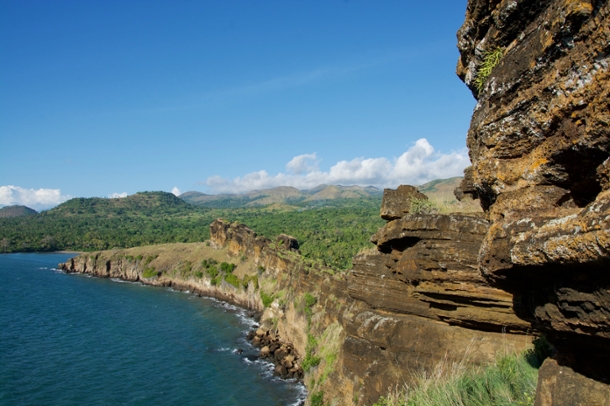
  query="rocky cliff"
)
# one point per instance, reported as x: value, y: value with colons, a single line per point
x: 418, y: 300
x: 414, y: 301
x: 539, y: 145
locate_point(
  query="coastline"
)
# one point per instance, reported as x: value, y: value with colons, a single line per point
x: 125, y: 265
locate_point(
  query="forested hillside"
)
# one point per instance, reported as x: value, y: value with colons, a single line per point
x: 331, y: 231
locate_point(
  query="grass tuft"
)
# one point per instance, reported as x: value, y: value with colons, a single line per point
x: 511, y: 380
x: 490, y: 60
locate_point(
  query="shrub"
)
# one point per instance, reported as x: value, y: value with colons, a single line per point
x: 233, y: 280
x: 150, y: 272
x: 267, y: 299
x: 310, y: 361
x: 246, y: 281
x: 226, y: 267
x: 310, y: 300
x: 213, y: 272
x: 317, y: 399
x: 199, y: 274
x: 422, y: 206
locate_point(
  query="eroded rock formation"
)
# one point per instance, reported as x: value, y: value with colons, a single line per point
x: 420, y: 300
x: 539, y: 145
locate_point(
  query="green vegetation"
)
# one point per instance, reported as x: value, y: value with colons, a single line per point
x: 98, y: 224
x: 266, y: 298
x: 247, y: 279
x: 150, y: 272
x: 226, y: 267
x: 233, y: 280
x: 317, y: 399
x: 328, y: 231
x: 423, y: 206
x: 511, y: 380
x: 310, y: 360
x: 490, y: 60
x: 309, y: 301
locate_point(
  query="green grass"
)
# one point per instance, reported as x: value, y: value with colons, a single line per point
x: 423, y: 206
x: 233, y: 280
x: 266, y: 298
x: 317, y: 399
x: 149, y: 272
x: 511, y: 380
x: 310, y: 360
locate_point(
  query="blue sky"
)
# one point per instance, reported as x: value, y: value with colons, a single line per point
x: 99, y: 98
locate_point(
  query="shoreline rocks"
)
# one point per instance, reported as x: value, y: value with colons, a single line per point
x: 281, y: 353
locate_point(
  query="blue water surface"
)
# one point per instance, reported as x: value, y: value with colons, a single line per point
x: 76, y: 340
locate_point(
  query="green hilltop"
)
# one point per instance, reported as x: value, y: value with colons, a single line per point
x: 16, y: 211
x: 331, y: 223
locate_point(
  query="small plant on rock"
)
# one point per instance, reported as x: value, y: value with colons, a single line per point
x: 490, y: 60
x: 422, y: 206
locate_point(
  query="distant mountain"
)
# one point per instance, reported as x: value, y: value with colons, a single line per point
x: 441, y: 190
x: 139, y: 203
x: 280, y: 195
x: 100, y: 223
x: 16, y: 211
x: 344, y: 192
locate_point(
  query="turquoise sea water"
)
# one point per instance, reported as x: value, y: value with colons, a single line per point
x: 76, y: 340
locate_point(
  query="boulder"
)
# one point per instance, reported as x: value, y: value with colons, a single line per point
x: 396, y: 203
x: 560, y: 386
x: 287, y: 242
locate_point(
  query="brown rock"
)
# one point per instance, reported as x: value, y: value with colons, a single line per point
x: 396, y: 203
x: 264, y: 352
x: 280, y: 353
x: 274, y: 346
x: 561, y: 386
x: 287, y: 242
x: 281, y: 371
x: 539, y: 141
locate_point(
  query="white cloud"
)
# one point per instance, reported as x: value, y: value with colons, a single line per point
x: 419, y: 164
x: 118, y: 195
x: 38, y: 199
x: 176, y: 191
x: 303, y: 164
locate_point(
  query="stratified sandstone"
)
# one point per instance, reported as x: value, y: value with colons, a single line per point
x: 539, y: 145
x: 420, y: 300
x: 414, y: 302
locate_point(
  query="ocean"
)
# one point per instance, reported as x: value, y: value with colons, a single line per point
x: 70, y: 339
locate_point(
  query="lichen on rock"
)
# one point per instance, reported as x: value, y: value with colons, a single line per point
x: 539, y: 142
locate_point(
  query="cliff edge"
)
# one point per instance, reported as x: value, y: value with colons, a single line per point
x: 539, y: 145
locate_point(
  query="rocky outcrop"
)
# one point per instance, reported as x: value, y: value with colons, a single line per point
x: 420, y: 300
x: 415, y: 301
x: 397, y: 202
x: 539, y: 145
x: 281, y: 353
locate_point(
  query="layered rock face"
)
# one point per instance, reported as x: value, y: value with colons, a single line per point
x: 420, y: 301
x: 539, y: 145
